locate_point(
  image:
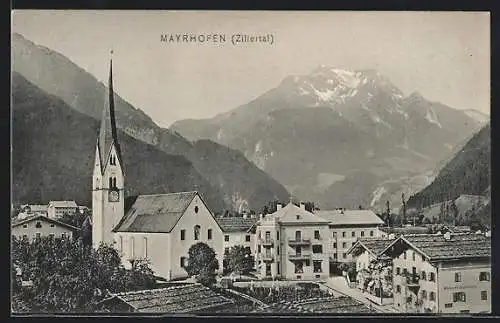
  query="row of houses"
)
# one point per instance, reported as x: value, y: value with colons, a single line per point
x: 426, y: 273
x: 53, y: 210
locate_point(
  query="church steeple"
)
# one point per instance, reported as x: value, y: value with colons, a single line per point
x: 108, y: 134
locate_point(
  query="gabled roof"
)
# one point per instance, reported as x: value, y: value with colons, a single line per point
x: 63, y: 204
x: 155, y: 213
x: 18, y: 222
x: 350, y: 217
x: 374, y: 246
x: 293, y: 214
x: 436, y: 247
x: 235, y: 224
x: 37, y: 207
x: 185, y: 298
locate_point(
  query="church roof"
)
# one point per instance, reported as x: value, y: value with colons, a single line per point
x: 108, y: 133
x: 63, y: 204
x: 350, y: 217
x: 155, y: 213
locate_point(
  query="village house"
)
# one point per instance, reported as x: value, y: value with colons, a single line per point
x: 366, y: 250
x: 346, y: 226
x: 238, y: 231
x: 292, y: 243
x: 441, y: 273
x: 38, y: 226
x: 178, y: 299
x: 56, y: 209
x: 34, y: 209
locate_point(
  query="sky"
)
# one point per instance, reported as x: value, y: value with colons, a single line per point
x: 443, y: 55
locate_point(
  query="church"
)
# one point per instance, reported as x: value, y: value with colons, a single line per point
x: 160, y: 227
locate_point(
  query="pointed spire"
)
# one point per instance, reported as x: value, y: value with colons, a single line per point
x: 108, y: 134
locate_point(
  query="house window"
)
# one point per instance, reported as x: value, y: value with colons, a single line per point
x: 432, y: 277
x: 423, y: 258
x: 317, y: 248
x: 371, y: 233
x: 196, y: 232
x: 343, y: 234
x: 344, y: 255
x: 459, y: 297
x: 484, y: 276
x: 484, y: 295
x: 424, y: 294
x: 25, y: 226
x: 298, y: 235
x: 335, y: 245
x: 278, y: 250
x: 145, y: 251
x: 398, y: 289
x: 316, y: 234
x: 432, y: 296
x: 334, y: 234
x: 226, y: 237
x: 362, y: 233
x: 413, y: 255
x: 226, y: 251
x: 352, y: 244
x: 63, y: 236
x: 277, y: 235
x: 448, y: 305
x: 404, y: 255
x: 353, y: 234
x: 247, y: 238
x: 458, y: 277
x: 299, y: 268
x: 38, y: 225
x: 183, y: 234
x: 258, y: 249
x: 52, y: 225
x: 335, y: 256
x: 398, y: 270
x: 268, y: 235
x: 209, y: 234
x: 183, y: 262
x: 405, y: 271
x: 424, y: 275
x: 344, y: 245
x: 317, y: 266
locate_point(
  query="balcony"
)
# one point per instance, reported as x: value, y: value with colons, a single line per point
x: 299, y: 256
x: 266, y: 242
x: 299, y: 242
x: 266, y: 257
x: 411, y: 280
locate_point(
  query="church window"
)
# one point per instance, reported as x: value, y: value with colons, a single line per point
x: 183, y: 234
x: 131, y: 247
x: 112, y: 160
x: 196, y: 232
x: 110, y: 182
x: 121, y: 244
x: 145, y: 247
x: 114, y: 181
x: 196, y: 209
x: 209, y: 234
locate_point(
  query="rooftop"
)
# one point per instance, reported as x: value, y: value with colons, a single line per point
x: 185, y: 298
x: 155, y: 213
x: 373, y: 245
x: 293, y: 214
x: 350, y: 217
x: 63, y: 204
x: 235, y: 224
x: 37, y: 217
x: 458, y: 246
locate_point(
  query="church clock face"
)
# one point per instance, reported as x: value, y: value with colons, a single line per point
x: 114, y: 196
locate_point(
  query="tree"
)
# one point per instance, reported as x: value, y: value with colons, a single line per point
x: 202, y: 263
x: 388, y: 213
x: 239, y: 260
x: 69, y: 276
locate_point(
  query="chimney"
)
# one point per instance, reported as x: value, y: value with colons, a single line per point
x: 447, y: 235
x: 278, y: 206
x: 302, y: 206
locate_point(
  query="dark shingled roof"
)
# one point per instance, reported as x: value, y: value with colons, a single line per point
x: 155, y: 213
x: 175, y: 299
x: 16, y: 221
x: 459, y: 246
x: 374, y: 245
x: 235, y: 224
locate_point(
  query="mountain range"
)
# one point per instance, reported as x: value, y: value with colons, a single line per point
x: 221, y: 171
x: 341, y: 137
